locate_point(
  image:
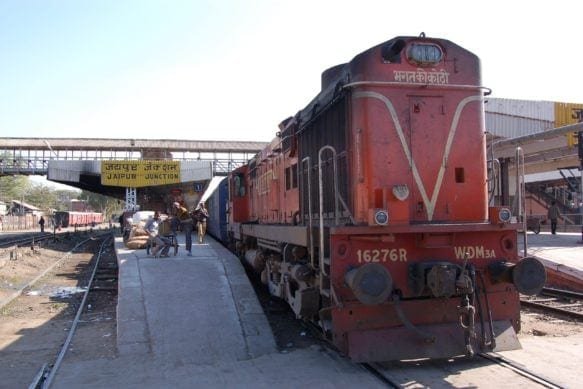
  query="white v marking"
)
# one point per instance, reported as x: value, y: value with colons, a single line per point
x: 429, y: 204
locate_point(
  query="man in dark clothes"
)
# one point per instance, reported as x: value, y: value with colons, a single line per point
x: 187, y: 225
x: 554, y: 214
x: 121, y: 223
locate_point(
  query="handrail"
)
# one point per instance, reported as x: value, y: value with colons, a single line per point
x: 495, y: 168
x: 520, y: 194
x: 321, y: 184
x: 321, y: 198
x: 10, y: 165
x: 310, y: 223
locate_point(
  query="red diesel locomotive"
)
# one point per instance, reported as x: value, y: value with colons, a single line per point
x: 369, y: 212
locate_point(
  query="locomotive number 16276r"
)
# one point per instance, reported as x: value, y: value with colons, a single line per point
x: 382, y: 255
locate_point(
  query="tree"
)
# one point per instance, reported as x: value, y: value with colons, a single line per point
x: 42, y: 196
x: 100, y: 203
x: 46, y: 197
x: 14, y: 188
x: 63, y: 199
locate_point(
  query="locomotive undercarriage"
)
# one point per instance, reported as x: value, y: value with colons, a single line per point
x: 287, y: 274
x: 455, y: 308
x: 451, y: 316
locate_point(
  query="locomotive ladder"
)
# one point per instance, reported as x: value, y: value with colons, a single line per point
x: 324, y: 261
x: 323, y: 289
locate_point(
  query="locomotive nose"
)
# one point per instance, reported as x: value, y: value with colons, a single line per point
x: 371, y: 283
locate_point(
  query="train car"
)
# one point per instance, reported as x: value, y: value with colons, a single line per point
x: 216, y: 205
x: 369, y: 212
x: 69, y: 218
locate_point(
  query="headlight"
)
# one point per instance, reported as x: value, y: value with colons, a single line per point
x: 504, y: 215
x: 381, y: 217
x: 371, y: 284
x: 424, y: 54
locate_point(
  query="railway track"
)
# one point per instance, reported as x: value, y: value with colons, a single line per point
x: 556, y: 301
x: 46, y: 375
x: 501, y: 371
x: 25, y: 242
x: 24, y: 239
x: 73, y: 292
x: 466, y: 371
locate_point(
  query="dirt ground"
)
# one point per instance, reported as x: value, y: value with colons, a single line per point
x: 537, y: 324
x: 34, y: 326
x: 18, y: 265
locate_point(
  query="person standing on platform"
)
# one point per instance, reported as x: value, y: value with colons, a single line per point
x: 41, y: 222
x: 187, y: 225
x: 121, y: 223
x: 554, y: 214
x: 200, y: 215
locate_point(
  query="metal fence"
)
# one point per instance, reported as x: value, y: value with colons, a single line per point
x: 22, y: 223
x: 567, y: 222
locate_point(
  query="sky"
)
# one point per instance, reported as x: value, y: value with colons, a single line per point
x: 234, y: 69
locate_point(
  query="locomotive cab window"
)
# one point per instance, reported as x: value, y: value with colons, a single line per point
x: 238, y: 185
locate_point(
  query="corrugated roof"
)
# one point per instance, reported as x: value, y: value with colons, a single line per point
x: 508, y: 126
x: 531, y: 109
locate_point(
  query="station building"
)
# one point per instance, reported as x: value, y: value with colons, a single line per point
x: 511, y: 119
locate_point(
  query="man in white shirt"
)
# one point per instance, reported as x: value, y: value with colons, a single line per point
x: 161, y: 245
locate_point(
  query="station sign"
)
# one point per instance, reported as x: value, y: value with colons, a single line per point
x: 137, y: 174
x: 565, y: 114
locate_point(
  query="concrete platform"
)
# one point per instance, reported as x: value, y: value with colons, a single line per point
x: 562, y: 255
x: 187, y: 322
x: 175, y: 306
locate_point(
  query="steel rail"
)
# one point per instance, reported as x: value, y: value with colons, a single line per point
x: 561, y: 307
x: 521, y: 370
x: 562, y: 293
x: 378, y: 373
x: 24, y: 241
x: 49, y: 380
x: 39, y: 377
x: 18, y: 292
x: 378, y: 370
x: 558, y: 310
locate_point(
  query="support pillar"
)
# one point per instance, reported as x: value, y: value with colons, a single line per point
x: 131, y: 199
